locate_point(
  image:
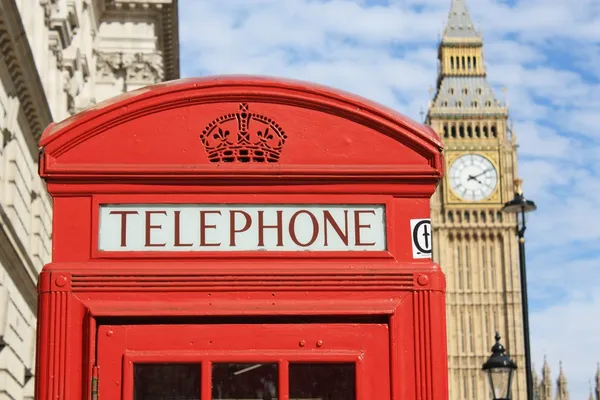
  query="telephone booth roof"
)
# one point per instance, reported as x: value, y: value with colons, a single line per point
x: 145, y: 133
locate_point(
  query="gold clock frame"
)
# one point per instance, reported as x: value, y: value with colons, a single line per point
x: 452, y: 198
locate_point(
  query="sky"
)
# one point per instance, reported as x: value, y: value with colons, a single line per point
x: 544, y: 53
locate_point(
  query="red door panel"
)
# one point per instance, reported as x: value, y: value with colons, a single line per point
x: 271, y: 361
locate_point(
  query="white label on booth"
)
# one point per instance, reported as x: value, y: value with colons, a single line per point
x: 421, y: 237
x: 192, y: 227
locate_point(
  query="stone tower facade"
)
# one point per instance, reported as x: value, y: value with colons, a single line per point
x: 474, y: 242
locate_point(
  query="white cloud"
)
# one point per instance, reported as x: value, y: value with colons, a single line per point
x: 545, y: 52
x: 569, y: 332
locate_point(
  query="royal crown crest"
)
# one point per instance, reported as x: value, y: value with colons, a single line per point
x: 243, y: 137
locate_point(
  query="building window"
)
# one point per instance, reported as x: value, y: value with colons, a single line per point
x: 492, y: 267
x: 451, y: 62
x: 465, y: 91
x: 474, y: 104
x: 459, y: 104
x: 484, y: 267
x: 479, y: 91
x: 486, y: 325
x: 459, y: 266
x: 463, y: 344
x: 470, y: 332
x: 468, y: 267
x: 451, y: 90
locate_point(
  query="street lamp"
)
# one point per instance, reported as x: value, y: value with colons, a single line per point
x: 500, y: 369
x: 519, y: 205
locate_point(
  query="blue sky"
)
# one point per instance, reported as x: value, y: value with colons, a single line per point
x: 546, y: 53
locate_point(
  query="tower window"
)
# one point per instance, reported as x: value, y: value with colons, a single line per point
x: 469, y: 131
x: 468, y: 267
x: 445, y: 130
x: 488, y: 103
x: 463, y: 62
x: 475, y: 62
x: 465, y: 91
x: 494, y: 133
x: 484, y: 266
x: 477, y: 131
x: 474, y: 104
x: 451, y: 62
x: 453, y: 131
x: 469, y: 62
x: 461, y: 131
x: 479, y: 91
x: 459, y: 104
x: 485, y: 131
x: 492, y: 268
x: 459, y: 272
x: 445, y: 104
x: 451, y: 90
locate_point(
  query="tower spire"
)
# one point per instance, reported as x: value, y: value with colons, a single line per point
x: 460, y: 25
x: 562, y: 392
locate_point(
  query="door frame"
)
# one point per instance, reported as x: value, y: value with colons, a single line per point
x: 370, y: 350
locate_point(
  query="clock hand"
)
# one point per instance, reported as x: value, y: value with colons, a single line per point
x: 474, y: 178
x: 489, y: 169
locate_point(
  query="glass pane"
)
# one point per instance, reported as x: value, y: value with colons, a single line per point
x: 322, y: 381
x: 166, y: 382
x: 244, y: 381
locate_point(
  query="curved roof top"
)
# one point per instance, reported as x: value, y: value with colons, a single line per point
x: 221, y: 88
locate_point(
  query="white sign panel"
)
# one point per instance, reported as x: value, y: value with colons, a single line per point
x: 193, y: 227
x: 421, y: 237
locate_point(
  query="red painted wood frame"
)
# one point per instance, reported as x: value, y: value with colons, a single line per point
x: 364, y: 346
x: 144, y: 147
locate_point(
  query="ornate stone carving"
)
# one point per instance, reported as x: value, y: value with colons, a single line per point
x: 139, y: 68
x: 108, y: 64
x: 144, y: 68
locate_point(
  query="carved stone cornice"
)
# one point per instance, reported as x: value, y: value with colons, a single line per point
x: 167, y: 21
x: 61, y: 17
x: 17, y: 55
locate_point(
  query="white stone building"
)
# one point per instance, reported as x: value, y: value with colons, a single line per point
x: 57, y: 58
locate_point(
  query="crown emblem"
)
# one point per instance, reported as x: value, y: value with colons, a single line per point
x: 243, y: 137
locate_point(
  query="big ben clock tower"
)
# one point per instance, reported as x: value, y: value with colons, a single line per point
x: 475, y: 243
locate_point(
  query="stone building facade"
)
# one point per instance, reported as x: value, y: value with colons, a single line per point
x: 58, y: 57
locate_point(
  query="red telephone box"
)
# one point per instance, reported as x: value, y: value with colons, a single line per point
x: 241, y: 238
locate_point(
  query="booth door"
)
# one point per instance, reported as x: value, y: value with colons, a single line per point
x: 269, y: 361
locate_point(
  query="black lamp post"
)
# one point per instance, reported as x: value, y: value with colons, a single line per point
x: 519, y: 205
x: 500, y: 369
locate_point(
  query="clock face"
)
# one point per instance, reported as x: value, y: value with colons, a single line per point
x: 473, y: 177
